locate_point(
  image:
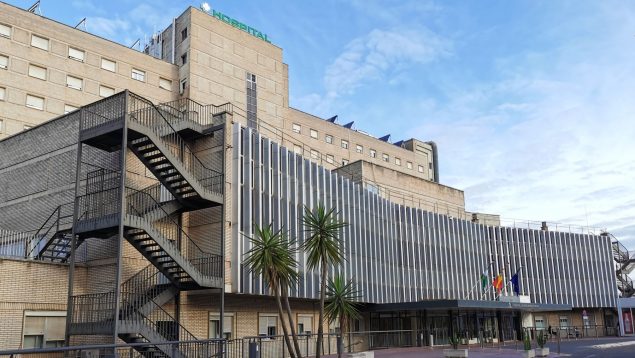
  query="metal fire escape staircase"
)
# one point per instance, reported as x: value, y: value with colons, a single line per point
x: 177, y: 262
x: 625, y: 264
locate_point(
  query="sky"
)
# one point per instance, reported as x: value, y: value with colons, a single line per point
x: 531, y: 103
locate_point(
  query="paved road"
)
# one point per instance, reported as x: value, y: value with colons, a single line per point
x: 584, y: 348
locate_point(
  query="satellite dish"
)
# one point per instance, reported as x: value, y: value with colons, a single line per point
x: 205, y: 7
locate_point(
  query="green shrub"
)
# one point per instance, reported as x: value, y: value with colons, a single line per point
x: 454, y: 341
x: 527, y: 341
x: 541, y: 339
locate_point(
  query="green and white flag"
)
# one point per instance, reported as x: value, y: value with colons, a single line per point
x: 484, y: 280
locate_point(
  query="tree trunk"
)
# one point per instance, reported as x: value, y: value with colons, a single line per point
x: 282, y: 324
x: 343, y: 329
x: 318, y: 350
x: 285, y: 298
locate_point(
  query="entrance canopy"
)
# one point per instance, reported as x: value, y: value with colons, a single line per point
x: 466, y: 305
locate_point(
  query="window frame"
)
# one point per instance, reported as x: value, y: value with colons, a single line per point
x: 44, y: 335
x: 328, y: 138
x: 34, y: 107
x: 106, y: 87
x: 5, y: 67
x: 138, y: 75
x: 214, y: 316
x: 3, y: 90
x: 8, y: 33
x: 296, y: 130
x: 34, y: 44
x: 372, y: 153
x: 108, y: 61
x: 165, y: 80
x: 312, y: 132
x: 32, y: 75
x: 83, y: 54
x: 73, y: 78
x: 359, y: 148
x: 330, y: 159
x: 344, y: 144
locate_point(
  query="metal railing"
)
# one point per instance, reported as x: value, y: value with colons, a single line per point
x: 60, y: 219
x: 148, y: 115
x: 209, y: 348
x: 190, y: 110
x: 208, y: 264
x: 96, y: 309
x: 103, y: 112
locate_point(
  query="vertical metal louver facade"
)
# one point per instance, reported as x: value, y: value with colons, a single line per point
x: 402, y: 254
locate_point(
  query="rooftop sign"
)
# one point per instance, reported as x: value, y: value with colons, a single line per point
x: 235, y: 23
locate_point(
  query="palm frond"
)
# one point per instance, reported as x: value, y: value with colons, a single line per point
x: 323, y: 229
x: 341, y: 299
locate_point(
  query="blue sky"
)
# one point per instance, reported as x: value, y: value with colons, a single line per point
x: 530, y: 102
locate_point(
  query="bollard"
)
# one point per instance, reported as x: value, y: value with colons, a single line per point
x: 431, y: 340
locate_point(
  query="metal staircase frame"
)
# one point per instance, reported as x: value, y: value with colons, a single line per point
x: 624, y: 265
x: 128, y: 123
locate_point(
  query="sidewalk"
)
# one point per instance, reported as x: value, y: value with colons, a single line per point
x: 423, y: 352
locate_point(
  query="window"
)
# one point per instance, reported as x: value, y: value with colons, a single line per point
x: 314, y: 134
x: 3, y: 93
x: 35, y: 102
x: 420, y: 169
x: 184, y: 34
x: 182, y: 85
x: 359, y: 149
x: 106, y: 91
x: 5, y: 30
x: 76, y: 54
x: 267, y: 324
x: 108, y: 65
x: 4, y: 62
x: 564, y: 321
x: 344, y: 144
x: 315, y: 154
x: 252, y: 100
x: 344, y: 161
x: 334, y: 327
x: 138, y: 75
x: 328, y: 139
x: 296, y: 128
x: 40, y: 42
x: 37, y: 72
x: 330, y: 159
x: 44, y: 329
x: 385, y: 157
x: 1, y: 125
x: 74, y: 82
x: 409, y: 165
x: 184, y: 59
x: 305, y: 324
x: 68, y: 108
x: 539, y: 322
x: 297, y: 149
x: 373, y: 153
x: 397, y: 161
x: 165, y: 84
x: 214, y: 326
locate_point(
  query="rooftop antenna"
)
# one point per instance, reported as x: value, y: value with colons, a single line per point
x: 83, y: 24
x: 135, y: 43
x: 35, y: 8
x: 205, y: 7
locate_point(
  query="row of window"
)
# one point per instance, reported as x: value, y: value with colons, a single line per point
x: 37, y: 102
x: 74, y: 54
x: 344, y: 144
x: 267, y: 325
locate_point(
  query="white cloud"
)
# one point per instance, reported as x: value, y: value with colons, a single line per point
x: 107, y: 27
x: 379, y: 53
x: 562, y: 150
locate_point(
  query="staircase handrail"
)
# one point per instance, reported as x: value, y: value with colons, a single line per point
x: 206, y: 110
x: 183, y: 147
x: 199, y: 254
x: 42, y: 233
x: 130, y: 310
x: 145, y: 281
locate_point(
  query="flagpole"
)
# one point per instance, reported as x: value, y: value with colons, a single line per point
x: 479, y: 281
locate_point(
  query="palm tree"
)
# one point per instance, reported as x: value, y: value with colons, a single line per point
x: 341, y: 304
x: 323, y: 249
x: 272, y: 256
